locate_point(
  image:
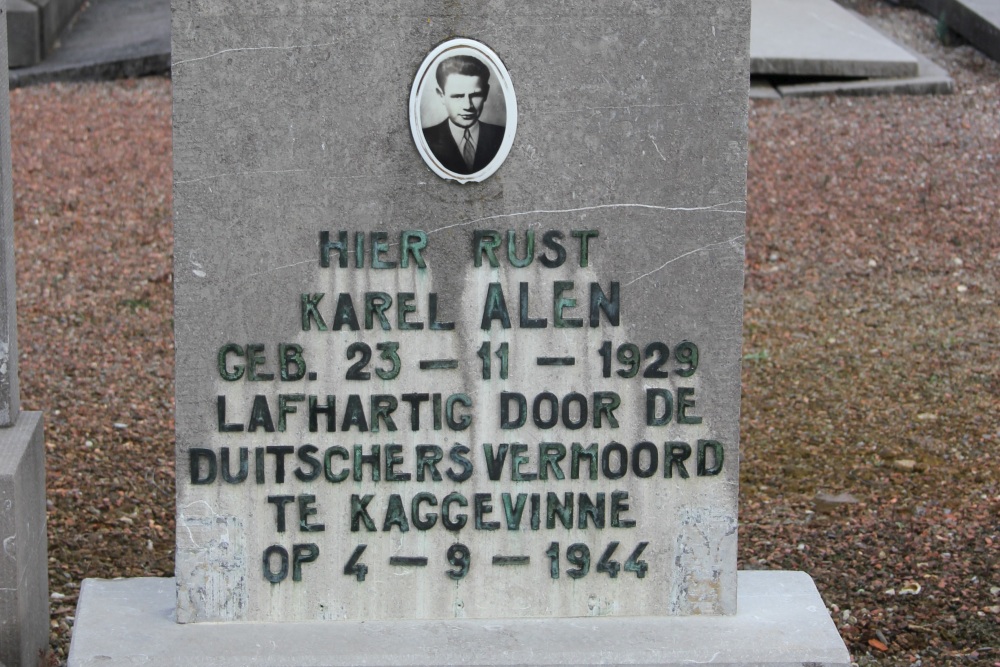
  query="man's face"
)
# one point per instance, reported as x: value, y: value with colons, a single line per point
x: 463, y: 97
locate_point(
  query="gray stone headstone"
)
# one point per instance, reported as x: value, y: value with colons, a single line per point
x: 10, y: 403
x: 521, y: 397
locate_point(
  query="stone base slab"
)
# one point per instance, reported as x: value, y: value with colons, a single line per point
x: 931, y: 80
x: 781, y: 621
x: 24, y: 576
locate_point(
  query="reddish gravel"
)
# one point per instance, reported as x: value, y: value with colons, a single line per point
x: 872, y: 362
x: 872, y: 357
x: 93, y: 235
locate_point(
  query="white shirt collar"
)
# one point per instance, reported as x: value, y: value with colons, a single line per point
x: 459, y: 134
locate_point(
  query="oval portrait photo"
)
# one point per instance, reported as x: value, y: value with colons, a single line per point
x: 463, y: 112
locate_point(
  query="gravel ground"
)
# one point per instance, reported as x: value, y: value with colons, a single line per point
x: 95, y: 306
x: 871, y: 411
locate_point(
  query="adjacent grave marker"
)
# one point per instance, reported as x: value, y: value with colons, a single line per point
x: 24, y: 595
x: 10, y: 399
x: 420, y: 379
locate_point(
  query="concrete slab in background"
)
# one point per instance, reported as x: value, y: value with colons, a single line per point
x: 930, y: 80
x: 978, y: 21
x: 132, y: 37
x: 34, y: 27
x: 110, y: 39
x: 762, y: 89
x: 821, y: 38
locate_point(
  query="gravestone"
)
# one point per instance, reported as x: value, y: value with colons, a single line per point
x: 458, y: 298
x: 24, y: 587
x: 404, y: 393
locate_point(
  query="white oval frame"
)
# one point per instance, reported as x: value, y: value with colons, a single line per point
x: 459, y: 47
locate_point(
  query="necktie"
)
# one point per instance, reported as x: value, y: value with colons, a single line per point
x: 468, y: 150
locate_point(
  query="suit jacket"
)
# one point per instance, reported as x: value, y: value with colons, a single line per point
x: 442, y: 144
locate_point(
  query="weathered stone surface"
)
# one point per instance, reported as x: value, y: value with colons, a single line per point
x: 10, y: 402
x: 111, y: 39
x: 781, y: 622
x: 24, y: 584
x: 290, y: 120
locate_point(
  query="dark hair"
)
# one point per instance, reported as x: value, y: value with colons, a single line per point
x: 467, y: 65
